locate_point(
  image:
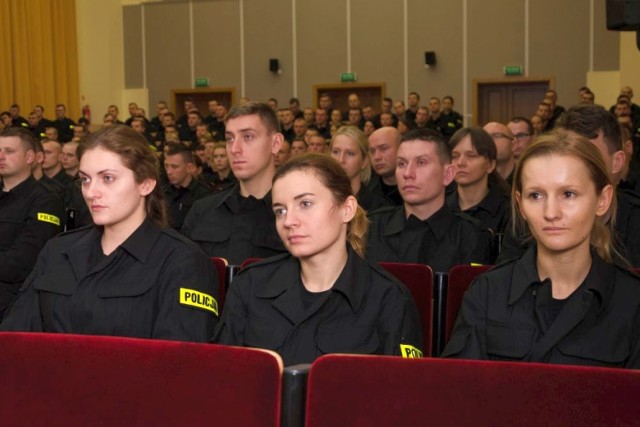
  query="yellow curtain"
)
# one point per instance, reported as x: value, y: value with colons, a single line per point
x: 39, y: 56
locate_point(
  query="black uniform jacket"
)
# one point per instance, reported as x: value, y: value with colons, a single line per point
x: 180, y: 200
x: 494, y: 211
x: 504, y: 316
x: 378, y: 187
x: 233, y: 227
x: 30, y: 214
x: 445, y: 239
x: 156, y: 284
x: 370, y: 201
x: 366, y: 312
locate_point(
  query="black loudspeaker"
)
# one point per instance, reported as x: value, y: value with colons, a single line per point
x: 430, y: 58
x: 274, y: 65
x: 623, y: 15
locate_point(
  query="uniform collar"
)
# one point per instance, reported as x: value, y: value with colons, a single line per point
x: 438, y: 223
x: 235, y: 202
x: 599, y: 280
x: 23, y: 187
x: 140, y: 243
x: 351, y: 282
x: 491, y: 203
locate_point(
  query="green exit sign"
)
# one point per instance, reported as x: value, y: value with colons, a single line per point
x: 348, y: 77
x: 513, y: 70
x: 202, y: 82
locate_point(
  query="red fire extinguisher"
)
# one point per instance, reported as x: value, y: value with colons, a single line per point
x: 86, y: 112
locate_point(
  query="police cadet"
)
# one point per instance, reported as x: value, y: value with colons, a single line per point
x: 564, y: 301
x: 129, y: 275
x: 183, y: 188
x: 237, y: 223
x: 424, y: 229
x: 602, y: 129
x: 30, y: 214
x: 63, y: 124
x: 322, y: 297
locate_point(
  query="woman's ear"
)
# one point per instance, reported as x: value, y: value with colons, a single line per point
x: 604, y: 201
x: 349, y: 209
x: 147, y: 186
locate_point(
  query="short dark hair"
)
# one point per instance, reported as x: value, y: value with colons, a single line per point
x: 589, y: 121
x: 182, y: 150
x: 519, y: 119
x: 263, y: 111
x: 26, y: 137
x: 428, y: 135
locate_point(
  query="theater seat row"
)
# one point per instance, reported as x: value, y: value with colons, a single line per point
x: 72, y: 380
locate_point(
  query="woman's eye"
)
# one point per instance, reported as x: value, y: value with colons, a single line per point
x: 108, y: 178
x: 279, y: 212
x: 569, y: 194
x: 84, y: 180
x: 535, y: 195
x: 305, y: 203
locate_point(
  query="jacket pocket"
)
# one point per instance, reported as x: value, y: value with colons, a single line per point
x: 509, y: 341
x: 347, y: 338
x: 260, y: 333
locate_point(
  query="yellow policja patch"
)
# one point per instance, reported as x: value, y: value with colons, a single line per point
x: 197, y: 299
x: 52, y: 219
x: 409, y: 351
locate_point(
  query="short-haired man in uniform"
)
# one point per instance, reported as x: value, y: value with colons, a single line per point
x: 183, y: 188
x: 16, y: 119
x: 54, y: 174
x: 383, y: 153
x: 63, y: 124
x: 522, y: 131
x: 238, y: 223
x: 30, y: 214
x: 424, y: 229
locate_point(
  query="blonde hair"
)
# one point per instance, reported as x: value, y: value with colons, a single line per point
x: 559, y: 142
x: 361, y: 140
x: 333, y: 176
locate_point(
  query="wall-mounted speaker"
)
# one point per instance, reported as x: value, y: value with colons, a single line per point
x: 274, y: 65
x: 429, y: 58
x: 623, y: 15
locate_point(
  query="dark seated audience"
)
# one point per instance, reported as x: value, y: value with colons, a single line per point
x: 425, y: 230
x: 183, y: 188
x: 129, y: 275
x: 565, y: 300
x: 350, y: 148
x: 322, y: 297
x: 480, y: 191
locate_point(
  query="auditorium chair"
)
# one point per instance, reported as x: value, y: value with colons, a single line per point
x: 220, y: 265
x: 460, y: 277
x: 418, y: 278
x: 347, y: 390
x: 77, y: 380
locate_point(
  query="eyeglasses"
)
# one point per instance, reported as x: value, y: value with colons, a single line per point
x: 521, y: 135
x: 499, y: 135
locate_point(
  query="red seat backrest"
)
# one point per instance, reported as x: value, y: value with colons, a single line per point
x: 248, y: 261
x: 76, y: 380
x: 418, y: 278
x: 221, y: 268
x: 460, y: 277
x: 351, y: 390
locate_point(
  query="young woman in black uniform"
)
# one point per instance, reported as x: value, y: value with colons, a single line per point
x: 127, y: 275
x: 322, y: 297
x: 349, y: 146
x: 565, y: 300
x: 480, y: 191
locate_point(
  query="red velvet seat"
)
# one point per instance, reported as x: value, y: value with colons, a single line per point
x: 345, y: 390
x: 460, y: 277
x: 248, y: 261
x: 72, y: 380
x: 418, y: 278
x: 221, y: 268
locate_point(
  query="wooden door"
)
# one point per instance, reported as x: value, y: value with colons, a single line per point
x: 201, y: 98
x: 500, y: 100
x: 369, y: 94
